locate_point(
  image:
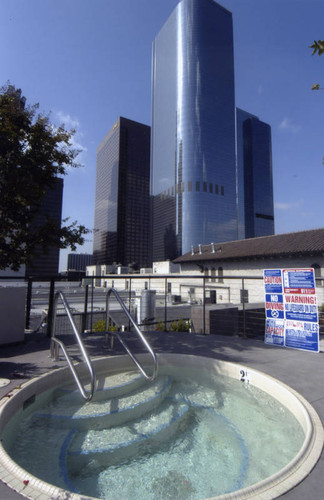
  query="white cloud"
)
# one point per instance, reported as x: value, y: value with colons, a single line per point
x: 67, y: 120
x: 289, y: 206
x: 288, y: 126
x: 283, y: 206
x: 61, y: 118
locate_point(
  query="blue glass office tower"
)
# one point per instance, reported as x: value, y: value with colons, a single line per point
x: 254, y: 176
x: 193, y: 168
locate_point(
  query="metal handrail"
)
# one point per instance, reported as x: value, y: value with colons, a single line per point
x: 56, y: 342
x: 139, y: 333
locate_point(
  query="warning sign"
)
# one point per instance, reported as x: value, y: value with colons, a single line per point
x: 291, y: 308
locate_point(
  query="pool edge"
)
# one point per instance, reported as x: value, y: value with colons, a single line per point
x: 283, y: 481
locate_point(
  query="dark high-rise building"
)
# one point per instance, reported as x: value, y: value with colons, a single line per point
x: 193, y: 173
x: 78, y: 261
x: 45, y: 264
x: 121, y: 223
x: 195, y: 177
x: 254, y: 174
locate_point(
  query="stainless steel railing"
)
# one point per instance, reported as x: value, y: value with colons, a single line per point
x: 56, y: 343
x: 139, y: 333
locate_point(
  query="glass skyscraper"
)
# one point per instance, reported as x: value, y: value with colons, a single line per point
x: 194, y: 182
x: 193, y: 174
x: 121, y: 233
x: 254, y: 176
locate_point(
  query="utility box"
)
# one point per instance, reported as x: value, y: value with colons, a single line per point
x: 147, y: 309
x: 220, y: 319
x: 12, y: 314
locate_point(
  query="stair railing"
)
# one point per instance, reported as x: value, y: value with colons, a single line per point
x: 56, y: 343
x: 139, y: 333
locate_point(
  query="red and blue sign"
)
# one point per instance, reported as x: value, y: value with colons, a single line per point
x: 291, y: 308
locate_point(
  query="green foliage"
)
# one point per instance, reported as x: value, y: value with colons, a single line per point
x: 318, y: 47
x: 33, y: 154
x: 100, y: 326
x: 180, y: 326
x: 160, y: 327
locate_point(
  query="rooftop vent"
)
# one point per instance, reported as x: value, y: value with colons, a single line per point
x: 213, y: 247
x: 192, y: 250
x: 199, y: 246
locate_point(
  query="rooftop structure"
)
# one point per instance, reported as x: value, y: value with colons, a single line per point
x: 309, y: 243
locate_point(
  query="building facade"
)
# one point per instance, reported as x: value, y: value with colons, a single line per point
x: 44, y: 264
x: 194, y: 178
x: 254, y: 176
x: 193, y: 181
x: 121, y: 222
x: 225, y: 264
x: 78, y: 261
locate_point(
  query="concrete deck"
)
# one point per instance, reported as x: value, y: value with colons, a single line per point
x: 303, y: 371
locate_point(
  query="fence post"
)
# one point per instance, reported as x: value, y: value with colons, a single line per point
x: 91, y: 315
x: 85, y: 308
x: 165, y: 302
x: 204, y: 305
x: 129, y: 301
x: 28, y: 302
x: 243, y: 300
x: 50, y: 308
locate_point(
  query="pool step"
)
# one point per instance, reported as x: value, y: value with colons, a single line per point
x: 111, y: 446
x: 107, y: 387
x: 197, y: 398
x: 46, y: 454
x: 107, y: 413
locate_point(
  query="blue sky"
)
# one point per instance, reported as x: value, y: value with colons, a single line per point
x: 89, y: 61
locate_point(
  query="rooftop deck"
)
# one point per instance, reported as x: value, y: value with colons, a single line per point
x: 303, y: 371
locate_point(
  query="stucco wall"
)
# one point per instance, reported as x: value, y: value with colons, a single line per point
x: 228, y: 287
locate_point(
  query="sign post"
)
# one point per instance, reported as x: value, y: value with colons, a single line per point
x: 291, y: 308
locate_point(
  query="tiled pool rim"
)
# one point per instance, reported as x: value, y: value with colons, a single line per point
x: 298, y: 469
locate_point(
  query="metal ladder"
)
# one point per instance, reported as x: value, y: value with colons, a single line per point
x: 138, y: 331
x: 56, y: 343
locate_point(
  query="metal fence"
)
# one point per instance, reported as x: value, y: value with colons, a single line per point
x: 203, y: 304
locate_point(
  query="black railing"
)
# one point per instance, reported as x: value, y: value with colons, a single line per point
x: 205, y: 304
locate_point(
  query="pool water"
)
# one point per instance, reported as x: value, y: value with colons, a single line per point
x: 205, y: 435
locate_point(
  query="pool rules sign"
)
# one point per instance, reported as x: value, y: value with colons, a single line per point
x: 291, y: 308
